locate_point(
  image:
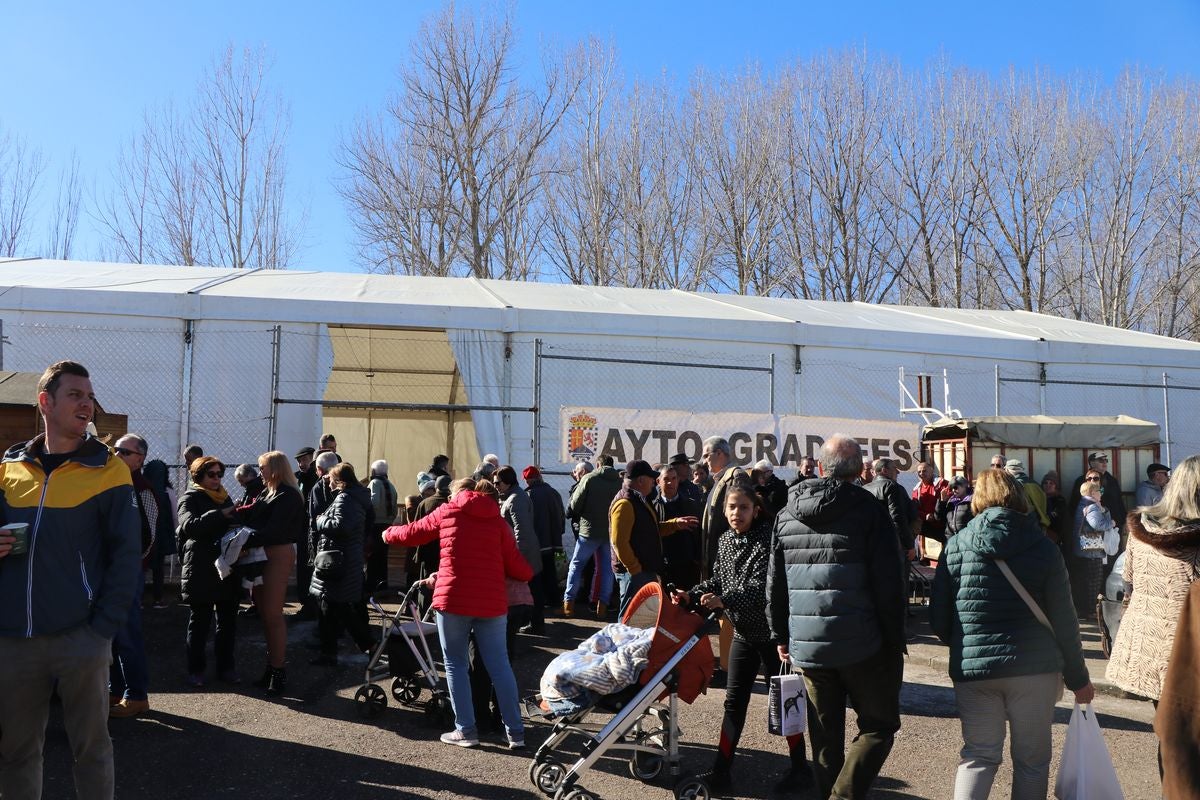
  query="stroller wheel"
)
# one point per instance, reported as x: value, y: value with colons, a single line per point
x: 577, y: 793
x: 371, y: 700
x: 438, y: 711
x: 692, y: 789
x: 547, y: 776
x: 645, y: 766
x: 406, y: 689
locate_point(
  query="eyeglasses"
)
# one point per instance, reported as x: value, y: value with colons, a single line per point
x: 1092, y: 478
x: 215, y: 473
x: 121, y: 451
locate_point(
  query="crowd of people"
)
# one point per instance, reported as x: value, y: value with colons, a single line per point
x: 810, y: 575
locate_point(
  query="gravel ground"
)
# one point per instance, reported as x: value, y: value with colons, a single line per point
x: 233, y: 742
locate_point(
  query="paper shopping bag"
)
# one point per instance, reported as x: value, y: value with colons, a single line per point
x: 787, y: 708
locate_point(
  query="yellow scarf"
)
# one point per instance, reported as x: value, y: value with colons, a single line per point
x: 220, y: 496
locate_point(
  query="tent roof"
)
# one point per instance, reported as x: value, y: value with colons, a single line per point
x: 418, y: 302
x: 1040, y: 430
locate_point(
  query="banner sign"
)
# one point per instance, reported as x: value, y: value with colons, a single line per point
x: 656, y: 435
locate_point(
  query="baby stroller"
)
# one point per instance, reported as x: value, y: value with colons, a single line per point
x: 643, y: 728
x: 404, y: 653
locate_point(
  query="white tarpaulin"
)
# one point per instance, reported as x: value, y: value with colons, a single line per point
x: 480, y: 359
x: 655, y: 435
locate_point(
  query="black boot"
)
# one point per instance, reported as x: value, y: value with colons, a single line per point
x: 265, y: 680
x: 277, y: 682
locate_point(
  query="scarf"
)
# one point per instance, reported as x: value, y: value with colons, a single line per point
x: 220, y: 496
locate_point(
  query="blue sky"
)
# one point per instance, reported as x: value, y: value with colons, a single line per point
x: 76, y: 76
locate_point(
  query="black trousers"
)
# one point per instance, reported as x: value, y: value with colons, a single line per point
x: 335, y: 617
x: 746, y: 662
x: 551, y: 591
x: 197, y: 634
x: 377, y: 560
x: 538, y: 590
x: 304, y: 572
x: 873, y: 688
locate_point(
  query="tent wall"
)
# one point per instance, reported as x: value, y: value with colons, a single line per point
x: 141, y: 365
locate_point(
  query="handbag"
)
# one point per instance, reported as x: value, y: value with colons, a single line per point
x: 1090, y: 539
x: 787, y: 704
x: 1086, y: 771
x: 328, y: 564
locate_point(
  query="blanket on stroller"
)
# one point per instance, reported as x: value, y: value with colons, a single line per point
x: 606, y: 662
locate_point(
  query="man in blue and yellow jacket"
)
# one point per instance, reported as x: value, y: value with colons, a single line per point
x: 65, y: 588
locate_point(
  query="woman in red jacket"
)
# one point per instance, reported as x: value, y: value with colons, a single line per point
x: 478, y: 552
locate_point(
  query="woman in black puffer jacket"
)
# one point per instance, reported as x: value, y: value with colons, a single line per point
x: 204, y: 517
x: 341, y: 529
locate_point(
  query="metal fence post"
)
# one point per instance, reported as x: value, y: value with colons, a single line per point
x: 1166, y: 418
x: 537, y: 402
x: 185, y: 412
x: 273, y: 427
x: 772, y: 404
x: 997, y: 390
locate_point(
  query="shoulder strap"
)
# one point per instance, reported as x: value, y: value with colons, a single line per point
x: 1029, y: 601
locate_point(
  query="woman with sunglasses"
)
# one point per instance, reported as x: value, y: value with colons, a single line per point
x: 279, y: 519
x: 1085, y: 546
x: 204, y: 517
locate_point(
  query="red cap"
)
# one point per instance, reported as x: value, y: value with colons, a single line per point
x: 531, y: 472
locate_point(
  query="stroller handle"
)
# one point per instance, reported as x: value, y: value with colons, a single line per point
x: 708, y: 614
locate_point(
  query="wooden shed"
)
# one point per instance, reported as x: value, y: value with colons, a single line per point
x: 20, y: 419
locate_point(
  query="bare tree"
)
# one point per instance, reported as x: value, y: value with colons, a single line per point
x: 934, y: 123
x: 20, y: 172
x: 1025, y: 174
x: 476, y: 137
x: 833, y: 154
x: 739, y: 128
x: 207, y: 185
x: 581, y: 194
x: 64, y: 215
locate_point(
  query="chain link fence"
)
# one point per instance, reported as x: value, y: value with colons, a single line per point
x: 175, y: 383
x: 573, y: 374
x: 238, y: 390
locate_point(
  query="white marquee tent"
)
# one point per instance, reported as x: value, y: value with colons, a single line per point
x: 403, y: 367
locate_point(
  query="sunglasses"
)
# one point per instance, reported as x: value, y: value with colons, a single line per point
x: 215, y: 473
x: 121, y: 451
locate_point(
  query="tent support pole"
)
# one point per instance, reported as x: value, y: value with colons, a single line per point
x: 185, y: 411
x: 1166, y: 418
x: 273, y: 428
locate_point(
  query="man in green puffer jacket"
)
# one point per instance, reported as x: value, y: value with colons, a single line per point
x: 589, y: 504
x: 1007, y: 666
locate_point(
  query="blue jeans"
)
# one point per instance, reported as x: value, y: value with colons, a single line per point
x: 629, y: 585
x: 584, y: 550
x: 454, y: 630
x: 128, y: 676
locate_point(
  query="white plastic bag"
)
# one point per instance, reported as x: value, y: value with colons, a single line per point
x: 1086, y: 771
x: 1112, y: 541
x: 787, y: 704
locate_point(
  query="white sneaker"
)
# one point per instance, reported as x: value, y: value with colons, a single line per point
x: 517, y: 743
x: 460, y: 739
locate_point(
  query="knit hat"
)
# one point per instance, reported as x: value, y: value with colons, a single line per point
x: 531, y: 473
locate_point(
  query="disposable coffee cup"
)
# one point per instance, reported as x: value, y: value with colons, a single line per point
x: 20, y: 533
